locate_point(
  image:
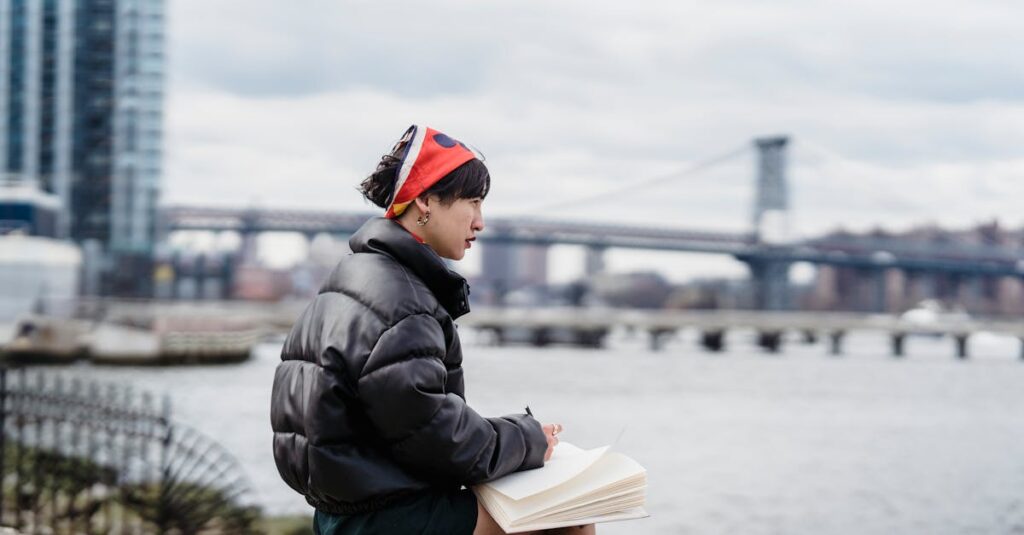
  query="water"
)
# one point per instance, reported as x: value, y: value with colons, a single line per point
x: 738, y: 442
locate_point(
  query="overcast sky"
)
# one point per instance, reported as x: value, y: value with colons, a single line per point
x: 900, y: 112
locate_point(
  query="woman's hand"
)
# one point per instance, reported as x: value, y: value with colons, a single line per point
x: 551, y: 432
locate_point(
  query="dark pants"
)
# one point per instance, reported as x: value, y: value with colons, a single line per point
x: 429, y: 513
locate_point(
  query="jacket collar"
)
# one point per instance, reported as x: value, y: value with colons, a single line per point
x: 387, y: 237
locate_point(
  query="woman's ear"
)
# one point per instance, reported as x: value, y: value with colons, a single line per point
x: 423, y: 203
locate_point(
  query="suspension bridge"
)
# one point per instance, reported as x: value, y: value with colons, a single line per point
x: 888, y: 272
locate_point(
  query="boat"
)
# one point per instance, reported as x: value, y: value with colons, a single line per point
x: 37, y: 339
x: 172, y: 340
x: 931, y: 318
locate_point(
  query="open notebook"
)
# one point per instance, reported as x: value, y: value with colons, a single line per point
x: 575, y: 487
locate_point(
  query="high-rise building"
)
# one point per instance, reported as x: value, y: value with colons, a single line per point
x: 507, y: 267
x: 81, y: 98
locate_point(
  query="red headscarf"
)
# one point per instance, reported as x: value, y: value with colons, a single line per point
x: 427, y: 157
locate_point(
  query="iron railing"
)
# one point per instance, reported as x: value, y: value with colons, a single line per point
x: 81, y: 457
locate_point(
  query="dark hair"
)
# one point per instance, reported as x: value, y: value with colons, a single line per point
x: 467, y: 181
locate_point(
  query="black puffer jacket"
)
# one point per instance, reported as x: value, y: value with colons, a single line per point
x: 368, y: 403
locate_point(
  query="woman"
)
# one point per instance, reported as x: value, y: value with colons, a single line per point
x: 369, y: 417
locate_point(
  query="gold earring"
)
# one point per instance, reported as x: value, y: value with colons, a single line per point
x: 422, y: 220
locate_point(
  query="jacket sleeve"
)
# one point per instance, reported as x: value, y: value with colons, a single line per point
x: 429, y: 430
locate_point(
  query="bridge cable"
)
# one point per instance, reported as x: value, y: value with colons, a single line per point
x: 689, y: 171
x: 881, y: 198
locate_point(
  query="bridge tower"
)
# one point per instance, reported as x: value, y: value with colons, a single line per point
x: 771, y: 207
x: 771, y: 210
x: 594, y: 260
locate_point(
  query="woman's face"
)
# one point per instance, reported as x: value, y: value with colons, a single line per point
x: 452, y: 228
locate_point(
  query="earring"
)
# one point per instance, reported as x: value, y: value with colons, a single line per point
x: 423, y: 219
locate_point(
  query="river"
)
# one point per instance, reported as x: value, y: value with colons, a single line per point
x: 734, y: 442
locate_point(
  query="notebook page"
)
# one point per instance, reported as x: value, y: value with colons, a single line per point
x: 567, y: 461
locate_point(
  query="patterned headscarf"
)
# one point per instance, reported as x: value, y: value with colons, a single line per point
x: 427, y: 156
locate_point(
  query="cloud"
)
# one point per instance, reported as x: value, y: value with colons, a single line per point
x: 900, y: 111
x: 266, y: 48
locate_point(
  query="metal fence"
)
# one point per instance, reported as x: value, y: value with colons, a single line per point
x: 81, y: 457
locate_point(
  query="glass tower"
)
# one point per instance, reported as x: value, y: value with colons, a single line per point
x: 81, y: 98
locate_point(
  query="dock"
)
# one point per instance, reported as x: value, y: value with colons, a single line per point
x: 714, y: 324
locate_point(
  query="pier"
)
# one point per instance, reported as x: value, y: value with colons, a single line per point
x: 714, y: 324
